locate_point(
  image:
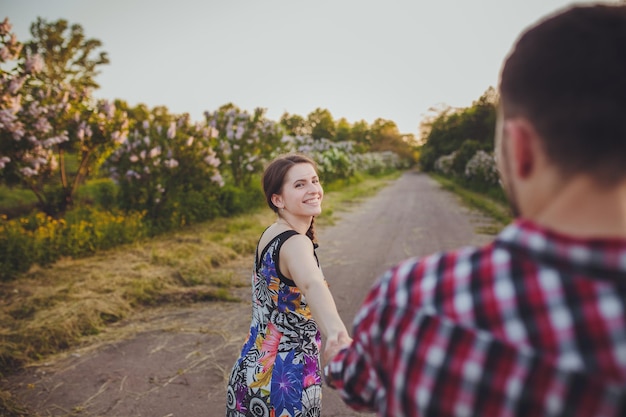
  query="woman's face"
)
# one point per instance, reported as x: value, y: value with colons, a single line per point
x: 302, y: 192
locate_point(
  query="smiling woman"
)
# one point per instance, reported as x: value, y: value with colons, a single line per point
x: 278, y: 370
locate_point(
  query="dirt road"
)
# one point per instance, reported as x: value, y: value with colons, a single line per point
x: 175, y: 363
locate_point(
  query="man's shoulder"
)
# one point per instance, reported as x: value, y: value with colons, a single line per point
x: 462, y: 260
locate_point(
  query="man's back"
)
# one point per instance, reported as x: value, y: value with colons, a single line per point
x: 533, y: 324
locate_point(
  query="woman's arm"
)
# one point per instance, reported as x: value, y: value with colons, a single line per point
x: 297, y: 261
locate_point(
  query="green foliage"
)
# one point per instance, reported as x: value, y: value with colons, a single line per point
x: 101, y: 192
x: 15, y: 201
x: 334, y: 164
x: 481, y: 170
x: 245, y: 141
x: 490, y: 200
x: 68, y: 55
x: 41, y: 239
x: 448, y: 131
x: 52, y: 118
x: 166, y: 168
x: 459, y: 145
x: 463, y: 154
x: 295, y: 125
x: 385, y: 136
x: 16, y: 249
x: 322, y: 124
x: 234, y: 200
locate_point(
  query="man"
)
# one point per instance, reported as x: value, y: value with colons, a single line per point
x: 535, y: 322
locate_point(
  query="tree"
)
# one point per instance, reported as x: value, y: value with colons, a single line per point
x: 53, y: 133
x: 446, y: 132
x: 322, y: 124
x: 295, y: 125
x: 361, y: 135
x: 343, y: 130
x: 69, y: 57
x: 385, y: 136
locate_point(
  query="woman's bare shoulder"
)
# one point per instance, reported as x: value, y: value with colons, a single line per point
x: 270, y: 233
x: 298, y: 244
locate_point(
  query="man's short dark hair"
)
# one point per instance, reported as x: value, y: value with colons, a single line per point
x: 567, y: 76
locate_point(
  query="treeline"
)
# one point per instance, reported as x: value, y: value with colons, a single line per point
x: 459, y: 144
x: 104, y: 173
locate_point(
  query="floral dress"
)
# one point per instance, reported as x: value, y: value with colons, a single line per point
x: 278, y: 372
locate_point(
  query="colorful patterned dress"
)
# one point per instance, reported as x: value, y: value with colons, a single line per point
x: 278, y: 372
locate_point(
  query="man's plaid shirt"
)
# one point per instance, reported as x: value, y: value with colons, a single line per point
x: 532, y: 324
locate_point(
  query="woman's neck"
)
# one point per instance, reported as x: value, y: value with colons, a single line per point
x: 300, y: 225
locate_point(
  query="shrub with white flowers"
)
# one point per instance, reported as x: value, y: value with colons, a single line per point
x: 378, y: 162
x: 482, y: 168
x: 443, y: 164
x: 338, y: 160
x: 245, y: 140
x: 164, y: 158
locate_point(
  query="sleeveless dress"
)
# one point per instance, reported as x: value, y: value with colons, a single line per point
x: 278, y: 371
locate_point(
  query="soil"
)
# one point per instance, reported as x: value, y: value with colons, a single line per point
x: 175, y: 361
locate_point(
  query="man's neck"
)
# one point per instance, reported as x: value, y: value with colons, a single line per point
x: 581, y: 208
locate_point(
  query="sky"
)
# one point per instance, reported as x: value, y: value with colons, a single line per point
x: 359, y: 59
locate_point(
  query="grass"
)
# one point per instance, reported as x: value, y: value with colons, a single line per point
x: 491, y: 207
x: 15, y: 201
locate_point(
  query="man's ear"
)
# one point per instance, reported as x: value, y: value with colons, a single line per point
x: 277, y: 200
x: 523, y: 142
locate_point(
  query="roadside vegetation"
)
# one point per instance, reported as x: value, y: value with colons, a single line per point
x: 494, y: 207
x: 457, y: 150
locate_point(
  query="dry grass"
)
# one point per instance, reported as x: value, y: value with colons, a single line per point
x: 50, y: 309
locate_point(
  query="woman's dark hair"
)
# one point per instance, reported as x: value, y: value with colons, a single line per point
x: 274, y: 179
x: 567, y: 76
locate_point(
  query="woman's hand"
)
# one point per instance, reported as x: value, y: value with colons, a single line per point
x: 334, y: 345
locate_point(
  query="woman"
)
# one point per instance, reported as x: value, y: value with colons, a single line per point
x: 278, y: 372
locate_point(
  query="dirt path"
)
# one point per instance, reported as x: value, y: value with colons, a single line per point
x: 175, y: 363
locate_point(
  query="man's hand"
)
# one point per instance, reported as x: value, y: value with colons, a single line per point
x: 335, y: 345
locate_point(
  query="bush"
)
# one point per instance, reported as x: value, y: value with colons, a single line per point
x: 443, y: 164
x: 41, y: 239
x: 463, y: 155
x: 16, y: 248
x: 481, y: 168
x: 101, y: 192
x: 234, y: 200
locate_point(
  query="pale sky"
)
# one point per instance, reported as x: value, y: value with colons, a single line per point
x: 360, y: 59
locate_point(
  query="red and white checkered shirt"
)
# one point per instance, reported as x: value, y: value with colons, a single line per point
x: 532, y: 324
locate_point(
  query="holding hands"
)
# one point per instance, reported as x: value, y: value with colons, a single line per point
x: 334, y: 345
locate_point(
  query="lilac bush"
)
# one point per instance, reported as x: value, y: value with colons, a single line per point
x: 332, y: 158
x: 338, y: 160
x: 245, y: 141
x: 443, y: 164
x: 163, y: 160
x: 43, y: 125
x: 482, y: 168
